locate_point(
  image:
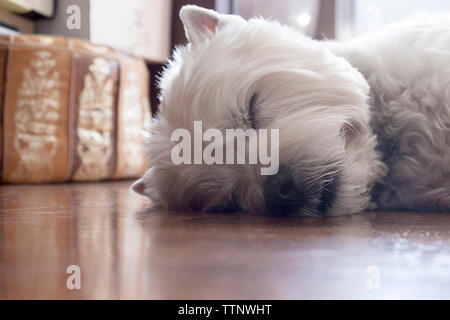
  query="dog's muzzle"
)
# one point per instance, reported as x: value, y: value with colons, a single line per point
x: 281, y: 193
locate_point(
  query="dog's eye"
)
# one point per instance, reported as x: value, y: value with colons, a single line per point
x: 328, y: 195
x: 252, y: 111
x: 350, y: 131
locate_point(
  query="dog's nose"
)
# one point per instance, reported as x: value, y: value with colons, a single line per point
x: 281, y: 193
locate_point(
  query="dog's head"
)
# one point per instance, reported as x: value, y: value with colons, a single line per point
x: 258, y: 74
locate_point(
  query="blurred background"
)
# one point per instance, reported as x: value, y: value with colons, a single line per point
x: 151, y: 28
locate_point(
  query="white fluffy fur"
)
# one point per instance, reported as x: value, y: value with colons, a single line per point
x: 333, y: 103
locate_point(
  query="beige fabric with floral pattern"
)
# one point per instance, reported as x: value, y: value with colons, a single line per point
x: 70, y: 110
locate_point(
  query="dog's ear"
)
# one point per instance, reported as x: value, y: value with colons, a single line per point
x: 138, y: 187
x: 199, y: 23
x: 352, y: 131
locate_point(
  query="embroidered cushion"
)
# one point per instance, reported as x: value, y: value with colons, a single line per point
x: 70, y: 111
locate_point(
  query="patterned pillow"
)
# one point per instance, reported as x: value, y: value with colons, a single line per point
x: 71, y: 111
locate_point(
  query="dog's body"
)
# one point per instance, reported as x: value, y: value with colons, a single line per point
x: 360, y: 121
x: 407, y: 66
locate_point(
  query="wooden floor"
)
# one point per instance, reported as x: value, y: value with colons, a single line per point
x: 126, y: 250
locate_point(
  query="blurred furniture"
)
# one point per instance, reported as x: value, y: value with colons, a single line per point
x: 140, y: 27
x: 72, y: 111
x: 12, y: 23
x: 30, y: 8
x: 315, y: 18
x: 301, y: 15
x: 71, y: 19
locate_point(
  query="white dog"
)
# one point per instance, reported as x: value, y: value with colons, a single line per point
x: 362, y: 124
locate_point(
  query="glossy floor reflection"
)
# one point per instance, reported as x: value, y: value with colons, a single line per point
x: 127, y: 251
